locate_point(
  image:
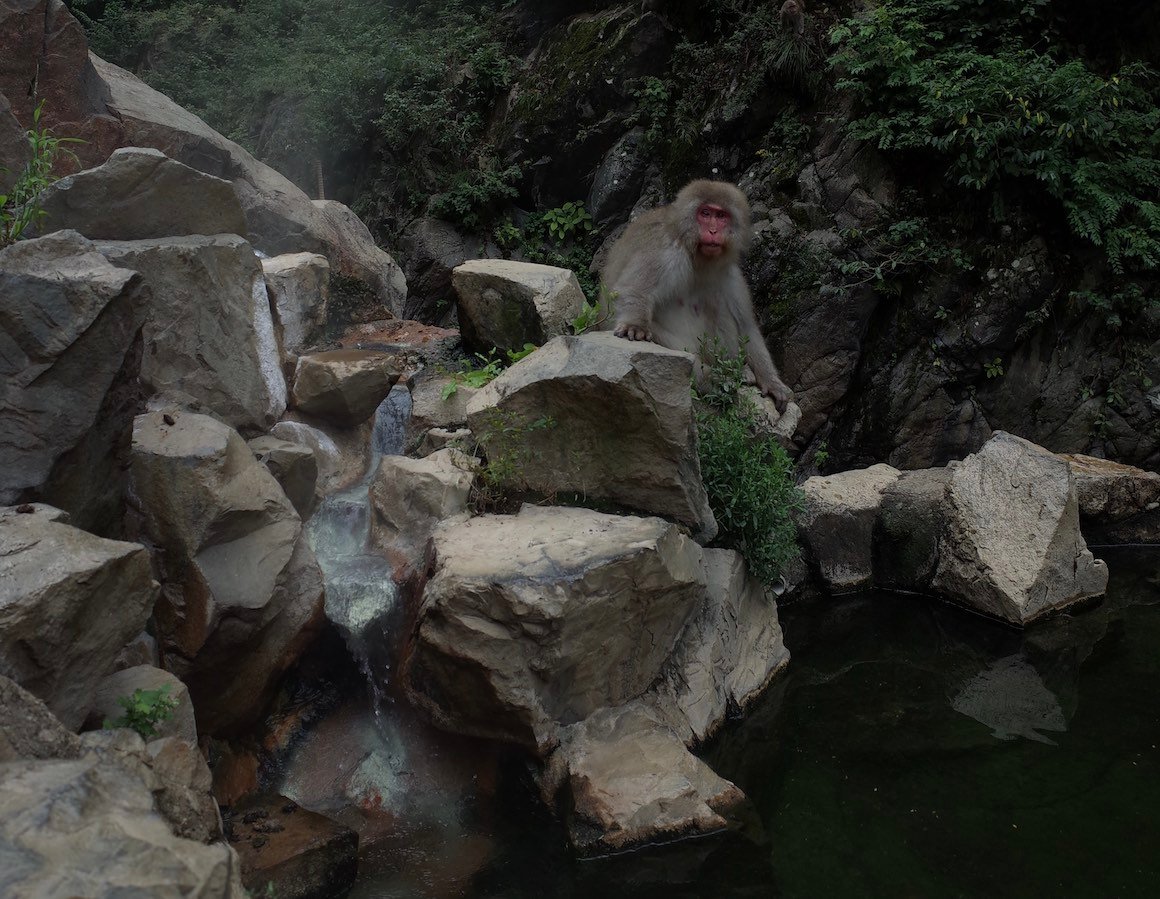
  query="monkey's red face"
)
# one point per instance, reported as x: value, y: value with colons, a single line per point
x: 713, y: 226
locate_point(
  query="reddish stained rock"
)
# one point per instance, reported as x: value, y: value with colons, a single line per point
x: 302, y: 854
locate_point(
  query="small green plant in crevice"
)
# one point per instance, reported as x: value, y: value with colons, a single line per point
x: 19, y: 208
x: 993, y: 368
x: 489, y: 368
x: 747, y: 474
x: 564, y: 220
x: 821, y: 454
x: 144, y: 710
x: 500, y: 485
x: 1126, y: 303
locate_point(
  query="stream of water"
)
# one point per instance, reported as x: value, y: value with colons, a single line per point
x: 912, y: 750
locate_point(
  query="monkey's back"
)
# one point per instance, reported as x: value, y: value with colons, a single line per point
x: 640, y: 240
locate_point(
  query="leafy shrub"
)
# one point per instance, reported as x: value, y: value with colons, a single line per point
x: 562, y: 237
x: 144, y: 710
x: 19, y: 209
x: 976, y: 86
x: 747, y: 474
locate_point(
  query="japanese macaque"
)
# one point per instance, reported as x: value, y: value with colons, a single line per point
x: 793, y: 15
x: 673, y: 278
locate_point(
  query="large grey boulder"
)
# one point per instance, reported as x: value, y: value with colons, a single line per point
x: 632, y: 781
x: 209, y: 336
x: 293, y: 465
x: 433, y: 407
x: 241, y: 590
x: 409, y: 497
x: 344, y: 386
x: 68, y: 320
x: 139, y: 193
x: 731, y: 649
x: 1117, y: 503
x: 606, y: 418
x: 69, y: 601
x: 280, y: 218
x: 1011, y: 546
x: 537, y: 620
x: 28, y: 730
x: 88, y: 827
x: 837, y: 523
x: 908, y: 531
x: 299, y: 288
x: 506, y: 304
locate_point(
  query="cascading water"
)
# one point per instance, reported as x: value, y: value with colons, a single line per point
x: 360, y: 590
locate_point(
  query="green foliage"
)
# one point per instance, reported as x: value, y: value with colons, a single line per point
x: 977, y: 87
x: 993, y: 368
x: 19, y: 209
x: 471, y: 375
x: 1127, y: 302
x: 144, y: 710
x: 887, y: 252
x: 747, y: 474
x: 562, y: 237
x: 821, y: 454
x: 564, y: 220
x: 405, y: 84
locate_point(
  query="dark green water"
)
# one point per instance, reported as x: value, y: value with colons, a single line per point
x: 913, y: 750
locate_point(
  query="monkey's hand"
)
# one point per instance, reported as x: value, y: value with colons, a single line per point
x: 632, y: 331
x: 781, y: 395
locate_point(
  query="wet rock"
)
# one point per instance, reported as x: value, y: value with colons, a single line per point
x: 291, y: 851
x: 242, y: 592
x: 425, y: 343
x: 837, y: 523
x: 539, y: 619
x: 299, y: 288
x: 124, y: 683
x: 731, y: 649
x: 435, y: 439
x: 433, y: 249
x: 1012, y: 545
x: 632, y: 781
x: 1117, y: 503
x: 209, y: 335
x: 909, y: 528
x: 605, y: 418
x: 344, y: 386
x: 89, y: 828
x: 431, y: 409
x: 409, y: 497
x: 68, y: 320
x: 505, y: 304
x: 15, y: 151
x: 139, y: 193
x: 68, y: 602
x: 293, y: 466
x: 618, y: 181
x: 141, y: 650
x: 28, y: 730
x: 184, y: 789
x: 352, y: 252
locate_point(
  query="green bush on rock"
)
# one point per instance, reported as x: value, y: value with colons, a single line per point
x: 747, y: 474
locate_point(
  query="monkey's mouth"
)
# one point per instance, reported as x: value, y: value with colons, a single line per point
x: 711, y: 249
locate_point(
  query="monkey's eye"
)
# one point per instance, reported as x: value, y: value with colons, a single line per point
x: 713, y: 214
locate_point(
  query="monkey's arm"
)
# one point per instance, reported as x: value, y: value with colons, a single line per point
x: 634, y: 296
x: 757, y: 353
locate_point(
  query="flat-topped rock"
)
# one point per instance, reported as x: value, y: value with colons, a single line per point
x: 1117, y: 503
x: 344, y: 386
x: 506, y: 304
x: 607, y: 419
x: 536, y: 620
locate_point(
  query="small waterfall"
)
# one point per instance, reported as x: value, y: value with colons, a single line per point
x: 360, y: 590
